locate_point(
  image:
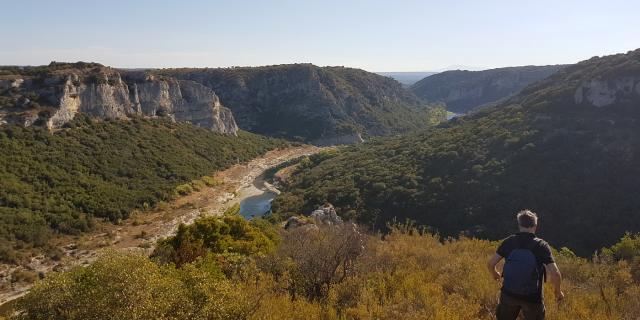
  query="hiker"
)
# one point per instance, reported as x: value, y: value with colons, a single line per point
x: 528, y: 261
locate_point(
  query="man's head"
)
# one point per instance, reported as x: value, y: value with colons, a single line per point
x: 527, y: 221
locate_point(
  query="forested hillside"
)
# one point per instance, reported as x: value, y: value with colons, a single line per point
x: 568, y: 148
x: 58, y: 182
x: 463, y: 90
x: 323, y: 105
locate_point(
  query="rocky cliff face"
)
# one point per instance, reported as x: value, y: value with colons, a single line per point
x: 56, y: 95
x: 463, y: 90
x: 181, y: 100
x: 602, y: 93
x: 609, y: 84
x: 319, y: 105
x: 202, y: 107
x: 106, y: 98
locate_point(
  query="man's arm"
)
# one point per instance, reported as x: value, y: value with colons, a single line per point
x: 493, y: 262
x: 556, y: 279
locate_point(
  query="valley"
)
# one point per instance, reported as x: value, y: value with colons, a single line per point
x: 142, y: 182
x: 464, y: 91
x: 241, y: 160
x: 407, y: 78
x: 141, y: 231
x: 155, y: 191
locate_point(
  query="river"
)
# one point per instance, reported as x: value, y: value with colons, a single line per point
x: 256, y: 198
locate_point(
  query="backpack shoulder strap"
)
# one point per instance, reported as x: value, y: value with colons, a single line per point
x: 523, y: 243
x: 537, y: 242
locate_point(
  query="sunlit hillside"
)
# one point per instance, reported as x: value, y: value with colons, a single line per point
x: 566, y: 147
x: 233, y: 269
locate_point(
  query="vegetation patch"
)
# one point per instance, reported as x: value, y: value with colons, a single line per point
x: 576, y: 165
x: 58, y: 182
x: 327, y: 272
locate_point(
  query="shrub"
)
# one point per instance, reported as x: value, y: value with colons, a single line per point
x: 412, y: 274
x: 198, y: 185
x: 316, y: 259
x: 233, y: 210
x: 229, y: 233
x: 23, y: 276
x: 210, y: 181
x: 128, y: 286
x: 408, y: 274
x: 628, y: 248
x: 114, y: 287
x: 184, y: 189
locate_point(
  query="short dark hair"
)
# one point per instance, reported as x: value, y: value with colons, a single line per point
x: 527, y: 219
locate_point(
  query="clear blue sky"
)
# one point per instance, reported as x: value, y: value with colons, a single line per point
x: 374, y: 35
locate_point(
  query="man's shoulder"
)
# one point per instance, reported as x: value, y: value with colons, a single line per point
x: 543, y: 251
x: 542, y: 243
x: 506, y: 245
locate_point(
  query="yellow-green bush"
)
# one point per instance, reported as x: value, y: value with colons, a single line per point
x: 184, y: 189
x: 403, y: 275
x: 413, y: 276
x: 128, y: 286
x: 209, y: 181
x: 214, y: 234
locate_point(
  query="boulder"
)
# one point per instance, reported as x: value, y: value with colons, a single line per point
x: 295, y: 222
x: 326, y: 215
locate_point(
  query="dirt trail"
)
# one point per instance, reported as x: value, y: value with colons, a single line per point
x: 142, y: 230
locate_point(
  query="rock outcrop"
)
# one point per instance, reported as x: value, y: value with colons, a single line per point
x: 55, y: 97
x: 202, y: 107
x: 320, y: 105
x: 609, y: 84
x: 602, y: 93
x: 106, y: 98
x: 326, y: 215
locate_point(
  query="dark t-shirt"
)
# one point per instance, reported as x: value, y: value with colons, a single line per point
x: 541, y: 251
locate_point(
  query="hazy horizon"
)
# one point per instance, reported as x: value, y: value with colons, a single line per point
x: 411, y: 36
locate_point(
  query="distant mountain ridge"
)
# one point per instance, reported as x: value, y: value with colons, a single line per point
x: 407, y: 78
x: 463, y: 90
x: 322, y: 105
x: 567, y: 147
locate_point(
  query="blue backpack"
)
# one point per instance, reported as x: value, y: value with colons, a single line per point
x: 522, y: 273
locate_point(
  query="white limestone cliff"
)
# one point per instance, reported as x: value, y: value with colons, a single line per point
x: 602, y: 93
x: 106, y: 94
